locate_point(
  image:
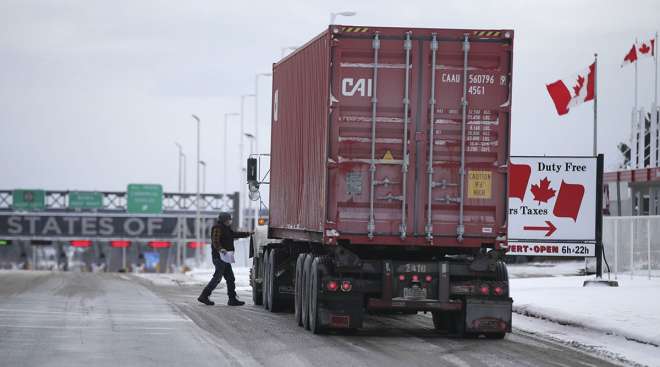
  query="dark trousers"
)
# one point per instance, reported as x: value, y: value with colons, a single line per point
x: 222, y: 269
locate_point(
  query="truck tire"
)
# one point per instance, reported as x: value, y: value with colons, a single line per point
x: 307, y: 265
x: 264, y: 264
x: 501, y: 273
x: 274, y: 298
x: 313, y: 298
x: 297, y: 299
x: 257, y: 289
x: 442, y: 321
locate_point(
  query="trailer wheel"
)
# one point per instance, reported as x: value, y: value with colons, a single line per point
x: 307, y: 265
x: 297, y: 299
x: 257, y: 289
x: 442, y: 321
x: 274, y: 298
x: 265, y: 290
x: 314, y: 290
x: 501, y: 273
x: 495, y: 335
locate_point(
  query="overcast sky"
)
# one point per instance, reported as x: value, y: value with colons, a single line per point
x: 93, y: 94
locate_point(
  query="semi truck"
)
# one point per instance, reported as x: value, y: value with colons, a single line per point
x: 388, y: 179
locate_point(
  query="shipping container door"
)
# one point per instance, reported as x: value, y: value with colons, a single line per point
x: 385, y: 186
x: 371, y: 180
x: 479, y: 70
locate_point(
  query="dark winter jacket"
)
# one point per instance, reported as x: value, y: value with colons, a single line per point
x: 222, y: 237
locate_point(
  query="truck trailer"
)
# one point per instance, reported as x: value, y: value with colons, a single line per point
x: 388, y: 179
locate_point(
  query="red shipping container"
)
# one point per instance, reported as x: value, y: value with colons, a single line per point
x: 355, y: 113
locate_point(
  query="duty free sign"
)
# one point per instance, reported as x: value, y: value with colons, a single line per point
x: 552, y: 206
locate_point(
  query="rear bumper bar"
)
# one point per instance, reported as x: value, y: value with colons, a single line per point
x: 414, y: 305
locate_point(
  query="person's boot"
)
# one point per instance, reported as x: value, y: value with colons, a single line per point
x: 235, y: 302
x: 204, y: 298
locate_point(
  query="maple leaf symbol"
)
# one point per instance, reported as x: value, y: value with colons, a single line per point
x: 579, y: 85
x: 644, y: 48
x: 542, y: 192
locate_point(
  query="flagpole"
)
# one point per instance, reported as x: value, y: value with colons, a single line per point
x: 654, y: 113
x: 636, y: 77
x: 655, y: 54
x: 595, y: 104
x: 635, y: 123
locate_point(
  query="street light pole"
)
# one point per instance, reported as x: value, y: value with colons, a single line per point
x: 224, y: 155
x: 197, y: 197
x: 178, y: 220
x: 203, y: 176
x: 251, y: 137
x: 256, y: 109
x: 203, y: 221
x: 242, y: 199
x: 256, y: 131
x: 333, y: 16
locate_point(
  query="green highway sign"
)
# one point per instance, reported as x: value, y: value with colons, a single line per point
x: 85, y: 200
x: 5, y: 242
x: 29, y: 199
x: 144, y: 199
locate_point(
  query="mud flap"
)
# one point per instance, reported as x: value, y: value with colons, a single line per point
x: 488, y: 316
x: 344, y: 314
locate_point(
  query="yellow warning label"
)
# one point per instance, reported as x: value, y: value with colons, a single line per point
x: 388, y: 156
x: 479, y: 184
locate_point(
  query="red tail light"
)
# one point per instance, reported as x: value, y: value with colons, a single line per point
x: 498, y: 291
x: 332, y: 285
x: 415, y: 278
x: 428, y: 279
x: 402, y: 277
x: 484, y: 289
x: 346, y: 286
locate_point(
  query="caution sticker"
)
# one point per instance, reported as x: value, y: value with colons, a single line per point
x: 388, y: 156
x: 479, y: 184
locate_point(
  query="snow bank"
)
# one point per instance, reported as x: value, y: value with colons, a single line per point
x: 631, y: 310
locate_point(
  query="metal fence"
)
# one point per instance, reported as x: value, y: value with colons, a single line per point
x: 632, y: 245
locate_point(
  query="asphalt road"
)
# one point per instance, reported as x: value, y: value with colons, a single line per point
x: 84, y: 319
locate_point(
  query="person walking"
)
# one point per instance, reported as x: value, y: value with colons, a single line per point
x: 222, y: 245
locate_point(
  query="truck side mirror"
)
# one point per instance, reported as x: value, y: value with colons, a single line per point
x: 252, y: 170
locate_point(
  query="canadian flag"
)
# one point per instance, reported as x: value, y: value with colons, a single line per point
x: 646, y: 49
x: 574, y: 90
x: 631, y: 57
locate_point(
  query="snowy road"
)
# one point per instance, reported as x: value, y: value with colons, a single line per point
x: 73, y: 319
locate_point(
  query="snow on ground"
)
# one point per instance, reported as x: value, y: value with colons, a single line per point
x: 546, y: 269
x: 198, y: 277
x: 608, y: 346
x: 620, y: 323
x: 242, y: 275
x: 631, y: 310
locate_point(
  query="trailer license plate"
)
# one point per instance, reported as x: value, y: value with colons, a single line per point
x: 414, y: 292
